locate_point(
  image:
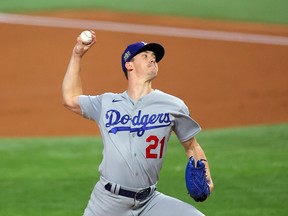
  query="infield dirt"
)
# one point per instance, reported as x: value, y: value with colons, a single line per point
x: 223, y: 83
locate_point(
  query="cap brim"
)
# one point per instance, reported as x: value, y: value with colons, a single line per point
x: 154, y: 47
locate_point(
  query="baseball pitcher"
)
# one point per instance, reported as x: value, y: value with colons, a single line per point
x: 135, y: 126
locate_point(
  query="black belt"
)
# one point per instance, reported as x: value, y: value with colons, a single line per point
x: 140, y: 195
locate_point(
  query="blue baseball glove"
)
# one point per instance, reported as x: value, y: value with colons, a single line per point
x: 196, y: 182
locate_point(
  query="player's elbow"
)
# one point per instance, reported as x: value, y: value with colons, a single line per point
x: 72, y: 104
x: 67, y: 104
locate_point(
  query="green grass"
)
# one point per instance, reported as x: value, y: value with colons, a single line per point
x: 243, y: 10
x: 55, y: 176
x: 51, y: 176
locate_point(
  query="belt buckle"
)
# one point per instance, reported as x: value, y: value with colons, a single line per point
x: 142, y: 195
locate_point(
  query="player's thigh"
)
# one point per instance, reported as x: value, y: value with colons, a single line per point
x: 163, y: 205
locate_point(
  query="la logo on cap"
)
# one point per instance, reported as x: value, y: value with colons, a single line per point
x: 126, y: 55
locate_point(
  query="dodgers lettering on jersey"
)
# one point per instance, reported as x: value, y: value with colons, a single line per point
x: 140, y: 123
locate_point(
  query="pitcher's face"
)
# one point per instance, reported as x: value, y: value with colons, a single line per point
x: 145, y: 64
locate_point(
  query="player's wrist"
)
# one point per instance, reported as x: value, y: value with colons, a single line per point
x: 77, y: 54
x: 210, y: 184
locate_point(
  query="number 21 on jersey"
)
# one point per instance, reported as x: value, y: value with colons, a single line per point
x: 155, y: 147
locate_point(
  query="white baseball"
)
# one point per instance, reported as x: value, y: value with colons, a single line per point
x: 86, y: 37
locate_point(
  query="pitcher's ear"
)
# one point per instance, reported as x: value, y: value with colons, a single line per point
x: 128, y: 65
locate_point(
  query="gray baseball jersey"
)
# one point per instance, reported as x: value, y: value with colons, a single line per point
x: 135, y: 134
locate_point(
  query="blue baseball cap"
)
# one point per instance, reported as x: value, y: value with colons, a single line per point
x: 136, y: 48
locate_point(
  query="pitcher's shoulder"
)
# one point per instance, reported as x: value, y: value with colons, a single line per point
x: 167, y: 96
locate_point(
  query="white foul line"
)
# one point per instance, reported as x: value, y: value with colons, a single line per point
x: 142, y: 29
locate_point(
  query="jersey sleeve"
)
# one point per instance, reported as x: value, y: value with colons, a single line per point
x: 90, y: 106
x: 185, y: 127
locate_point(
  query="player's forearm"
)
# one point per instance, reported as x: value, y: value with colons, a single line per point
x: 193, y: 148
x: 199, y: 154
x: 71, y: 86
